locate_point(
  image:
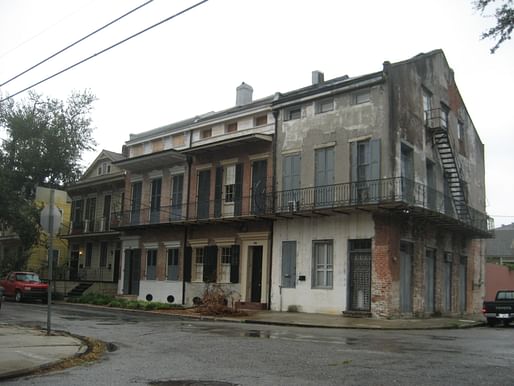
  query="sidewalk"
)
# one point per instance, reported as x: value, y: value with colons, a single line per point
x: 24, y: 350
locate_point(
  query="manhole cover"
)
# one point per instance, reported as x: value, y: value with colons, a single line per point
x: 189, y: 382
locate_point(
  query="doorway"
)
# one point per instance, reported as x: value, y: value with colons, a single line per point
x: 360, y: 275
x: 74, y: 262
x: 131, y: 271
x: 256, y: 274
x: 406, y: 250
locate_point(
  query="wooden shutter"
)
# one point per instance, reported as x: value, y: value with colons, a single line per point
x: 234, y: 264
x: 288, y: 264
x: 238, y: 190
x: 218, y: 191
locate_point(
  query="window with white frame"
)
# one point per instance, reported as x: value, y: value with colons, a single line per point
x: 323, y: 266
x: 199, y: 261
x: 226, y: 261
x: 230, y: 183
x: 104, y: 168
x: 324, y: 105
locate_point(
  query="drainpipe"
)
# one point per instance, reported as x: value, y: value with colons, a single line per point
x: 273, y: 192
x: 189, y: 161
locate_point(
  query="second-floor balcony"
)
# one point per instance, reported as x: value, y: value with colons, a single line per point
x: 397, y: 194
x: 96, y: 225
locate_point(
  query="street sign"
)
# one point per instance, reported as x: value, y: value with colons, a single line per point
x: 45, y: 217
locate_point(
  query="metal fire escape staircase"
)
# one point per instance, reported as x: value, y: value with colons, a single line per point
x: 452, y: 172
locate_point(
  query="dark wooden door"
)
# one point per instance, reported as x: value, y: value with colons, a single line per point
x: 256, y: 274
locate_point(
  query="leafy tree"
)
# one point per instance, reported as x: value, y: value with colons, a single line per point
x: 504, y: 15
x: 45, y: 139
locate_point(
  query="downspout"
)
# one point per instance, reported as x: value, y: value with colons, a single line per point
x: 273, y: 192
x: 186, y: 228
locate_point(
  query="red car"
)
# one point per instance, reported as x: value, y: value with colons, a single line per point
x: 24, y: 285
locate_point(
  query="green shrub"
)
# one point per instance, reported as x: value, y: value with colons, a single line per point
x: 115, y: 303
x: 132, y: 305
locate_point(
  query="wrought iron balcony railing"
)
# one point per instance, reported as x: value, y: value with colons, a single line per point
x: 100, y: 224
x: 391, y: 193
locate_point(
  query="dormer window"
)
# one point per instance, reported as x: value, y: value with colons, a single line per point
x: 104, y: 168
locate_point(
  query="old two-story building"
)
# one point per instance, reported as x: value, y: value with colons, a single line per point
x: 95, y: 247
x: 380, y: 184
x: 196, y: 196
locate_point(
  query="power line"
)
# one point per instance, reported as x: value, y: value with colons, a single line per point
x: 75, y: 43
x: 43, y: 31
x: 105, y: 49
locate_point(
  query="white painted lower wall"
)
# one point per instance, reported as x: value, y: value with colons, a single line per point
x: 160, y: 290
x: 304, y: 298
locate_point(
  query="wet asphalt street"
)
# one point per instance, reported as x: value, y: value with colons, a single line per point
x: 153, y: 349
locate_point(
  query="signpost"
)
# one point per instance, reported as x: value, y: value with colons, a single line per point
x: 50, y: 221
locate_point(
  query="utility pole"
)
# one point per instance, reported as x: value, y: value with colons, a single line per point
x: 50, y: 260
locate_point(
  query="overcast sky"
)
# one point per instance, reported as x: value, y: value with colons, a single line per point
x: 193, y: 63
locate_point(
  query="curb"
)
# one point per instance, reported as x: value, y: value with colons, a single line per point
x: 83, y: 349
x: 209, y: 318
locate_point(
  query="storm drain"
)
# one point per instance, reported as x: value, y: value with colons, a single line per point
x: 189, y: 382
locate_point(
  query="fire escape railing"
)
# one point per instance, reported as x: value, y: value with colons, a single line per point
x: 437, y: 122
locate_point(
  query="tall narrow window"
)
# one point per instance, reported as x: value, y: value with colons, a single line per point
x: 151, y: 264
x: 106, y: 213
x: 431, y: 186
x: 177, y: 188
x: 226, y: 260
x: 173, y: 270
x: 136, y: 202
x: 103, y: 253
x: 230, y: 181
x: 76, y: 210
x: 199, y: 261
x: 89, y: 254
x: 290, y: 183
x: 155, y: 200
x: 407, y: 170
x: 427, y: 107
x: 90, y: 214
x: 322, y: 264
x: 324, y: 176
x: 365, y: 168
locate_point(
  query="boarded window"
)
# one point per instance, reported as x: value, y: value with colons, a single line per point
x: 206, y: 133
x: 288, y: 264
x: 325, y: 105
x: 293, y: 113
x: 231, y: 127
